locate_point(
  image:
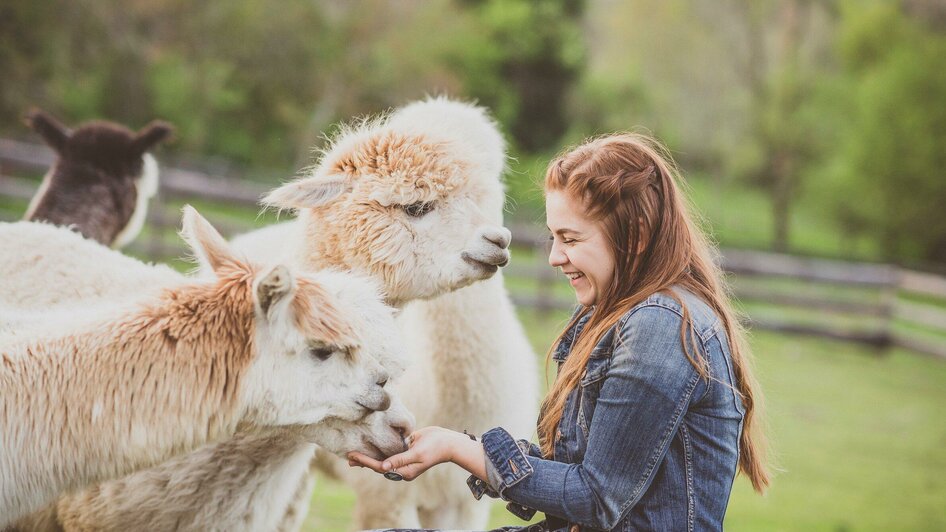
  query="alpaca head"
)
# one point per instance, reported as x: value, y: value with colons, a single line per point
x: 102, y: 180
x: 413, y: 199
x: 324, y: 341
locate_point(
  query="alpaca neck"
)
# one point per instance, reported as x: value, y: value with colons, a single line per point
x: 464, y: 336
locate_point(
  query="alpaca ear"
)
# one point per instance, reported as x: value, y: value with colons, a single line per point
x: 205, y: 242
x: 150, y: 135
x: 307, y: 192
x: 53, y: 132
x: 274, y: 287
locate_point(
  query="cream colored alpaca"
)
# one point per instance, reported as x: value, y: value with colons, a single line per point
x: 137, y: 383
x: 415, y: 201
x: 44, y: 266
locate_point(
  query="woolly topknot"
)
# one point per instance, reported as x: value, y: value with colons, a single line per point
x: 468, y: 127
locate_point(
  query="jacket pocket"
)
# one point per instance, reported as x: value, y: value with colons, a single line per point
x: 589, y: 389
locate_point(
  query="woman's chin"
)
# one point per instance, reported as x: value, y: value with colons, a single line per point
x: 585, y: 299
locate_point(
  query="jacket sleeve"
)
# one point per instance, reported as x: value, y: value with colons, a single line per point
x: 643, y: 399
x: 494, y: 481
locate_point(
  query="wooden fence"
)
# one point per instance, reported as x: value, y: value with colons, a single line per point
x: 875, y: 304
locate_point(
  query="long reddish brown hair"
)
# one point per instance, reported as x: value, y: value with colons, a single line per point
x: 628, y: 184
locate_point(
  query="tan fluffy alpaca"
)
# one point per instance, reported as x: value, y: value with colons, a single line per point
x: 232, y: 484
x: 133, y: 384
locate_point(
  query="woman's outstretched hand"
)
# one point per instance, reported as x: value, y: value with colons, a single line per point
x: 427, y: 447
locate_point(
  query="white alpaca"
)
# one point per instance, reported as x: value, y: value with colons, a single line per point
x: 108, y: 392
x: 45, y: 266
x: 415, y: 201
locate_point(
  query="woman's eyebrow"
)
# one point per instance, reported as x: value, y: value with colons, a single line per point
x: 563, y: 230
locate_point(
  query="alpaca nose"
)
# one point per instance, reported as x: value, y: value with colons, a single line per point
x: 499, y: 236
x: 379, y: 404
x: 402, y: 428
x: 385, y: 402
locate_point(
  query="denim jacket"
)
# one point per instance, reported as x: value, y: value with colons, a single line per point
x: 644, y: 443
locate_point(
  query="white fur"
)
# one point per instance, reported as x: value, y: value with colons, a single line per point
x: 55, y: 270
x: 146, y: 186
x: 43, y: 187
x: 44, y: 266
x: 282, y: 386
x: 474, y: 367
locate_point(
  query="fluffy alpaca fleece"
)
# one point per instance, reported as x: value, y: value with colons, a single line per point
x: 45, y: 266
x: 216, y: 487
x: 102, y: 180
x: 474, y: 368
x: 415, y: 200
x: 140, y: 382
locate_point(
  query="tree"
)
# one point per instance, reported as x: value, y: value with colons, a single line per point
x: 521, y: 59
x: 887, y: 176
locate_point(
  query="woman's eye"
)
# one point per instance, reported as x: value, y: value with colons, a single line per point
x: 567, y: 240
x: 416, y: 210
x: 321, y: 353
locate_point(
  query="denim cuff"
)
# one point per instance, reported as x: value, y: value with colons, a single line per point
x: 494, y: 481
x: 480, y: 488
x: 505, y: 455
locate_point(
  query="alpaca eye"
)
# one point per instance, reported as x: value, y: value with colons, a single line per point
x: 416, y: 210
x: 321, y: 353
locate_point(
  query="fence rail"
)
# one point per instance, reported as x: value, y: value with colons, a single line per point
x: 893, y: 308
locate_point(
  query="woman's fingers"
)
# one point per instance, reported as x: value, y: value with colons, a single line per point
x: 400, y: 460
x: 358, y: 459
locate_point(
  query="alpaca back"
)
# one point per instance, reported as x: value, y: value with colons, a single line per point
x: 45, y: 266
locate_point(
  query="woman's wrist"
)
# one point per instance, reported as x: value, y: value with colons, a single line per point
x: 468, y: 454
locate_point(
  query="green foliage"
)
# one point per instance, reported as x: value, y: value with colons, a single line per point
x: 520, y: 58
x: 886, y: 175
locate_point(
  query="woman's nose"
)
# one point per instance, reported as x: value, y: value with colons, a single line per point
x: 556, y: 257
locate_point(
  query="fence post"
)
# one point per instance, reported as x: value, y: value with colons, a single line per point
x: 888, y: 300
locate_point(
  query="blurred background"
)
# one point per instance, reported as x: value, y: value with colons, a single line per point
x: 812, y: 136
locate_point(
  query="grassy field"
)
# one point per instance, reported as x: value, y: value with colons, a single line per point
x: 859, y: 439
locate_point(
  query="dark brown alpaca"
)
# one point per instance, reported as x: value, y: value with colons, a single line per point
x: 102, y: 180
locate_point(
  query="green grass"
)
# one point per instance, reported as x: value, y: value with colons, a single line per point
x: 859, y: 439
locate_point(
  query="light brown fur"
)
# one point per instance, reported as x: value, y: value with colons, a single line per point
x: 82, y: 405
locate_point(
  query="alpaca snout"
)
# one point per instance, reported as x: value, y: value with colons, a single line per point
x: 499, y: 236
x: 376, y: 402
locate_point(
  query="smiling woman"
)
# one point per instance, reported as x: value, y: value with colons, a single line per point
x: 579, y: 247
x: 655, y: 408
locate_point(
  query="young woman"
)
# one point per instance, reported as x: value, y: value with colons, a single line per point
x: 655, y: 407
